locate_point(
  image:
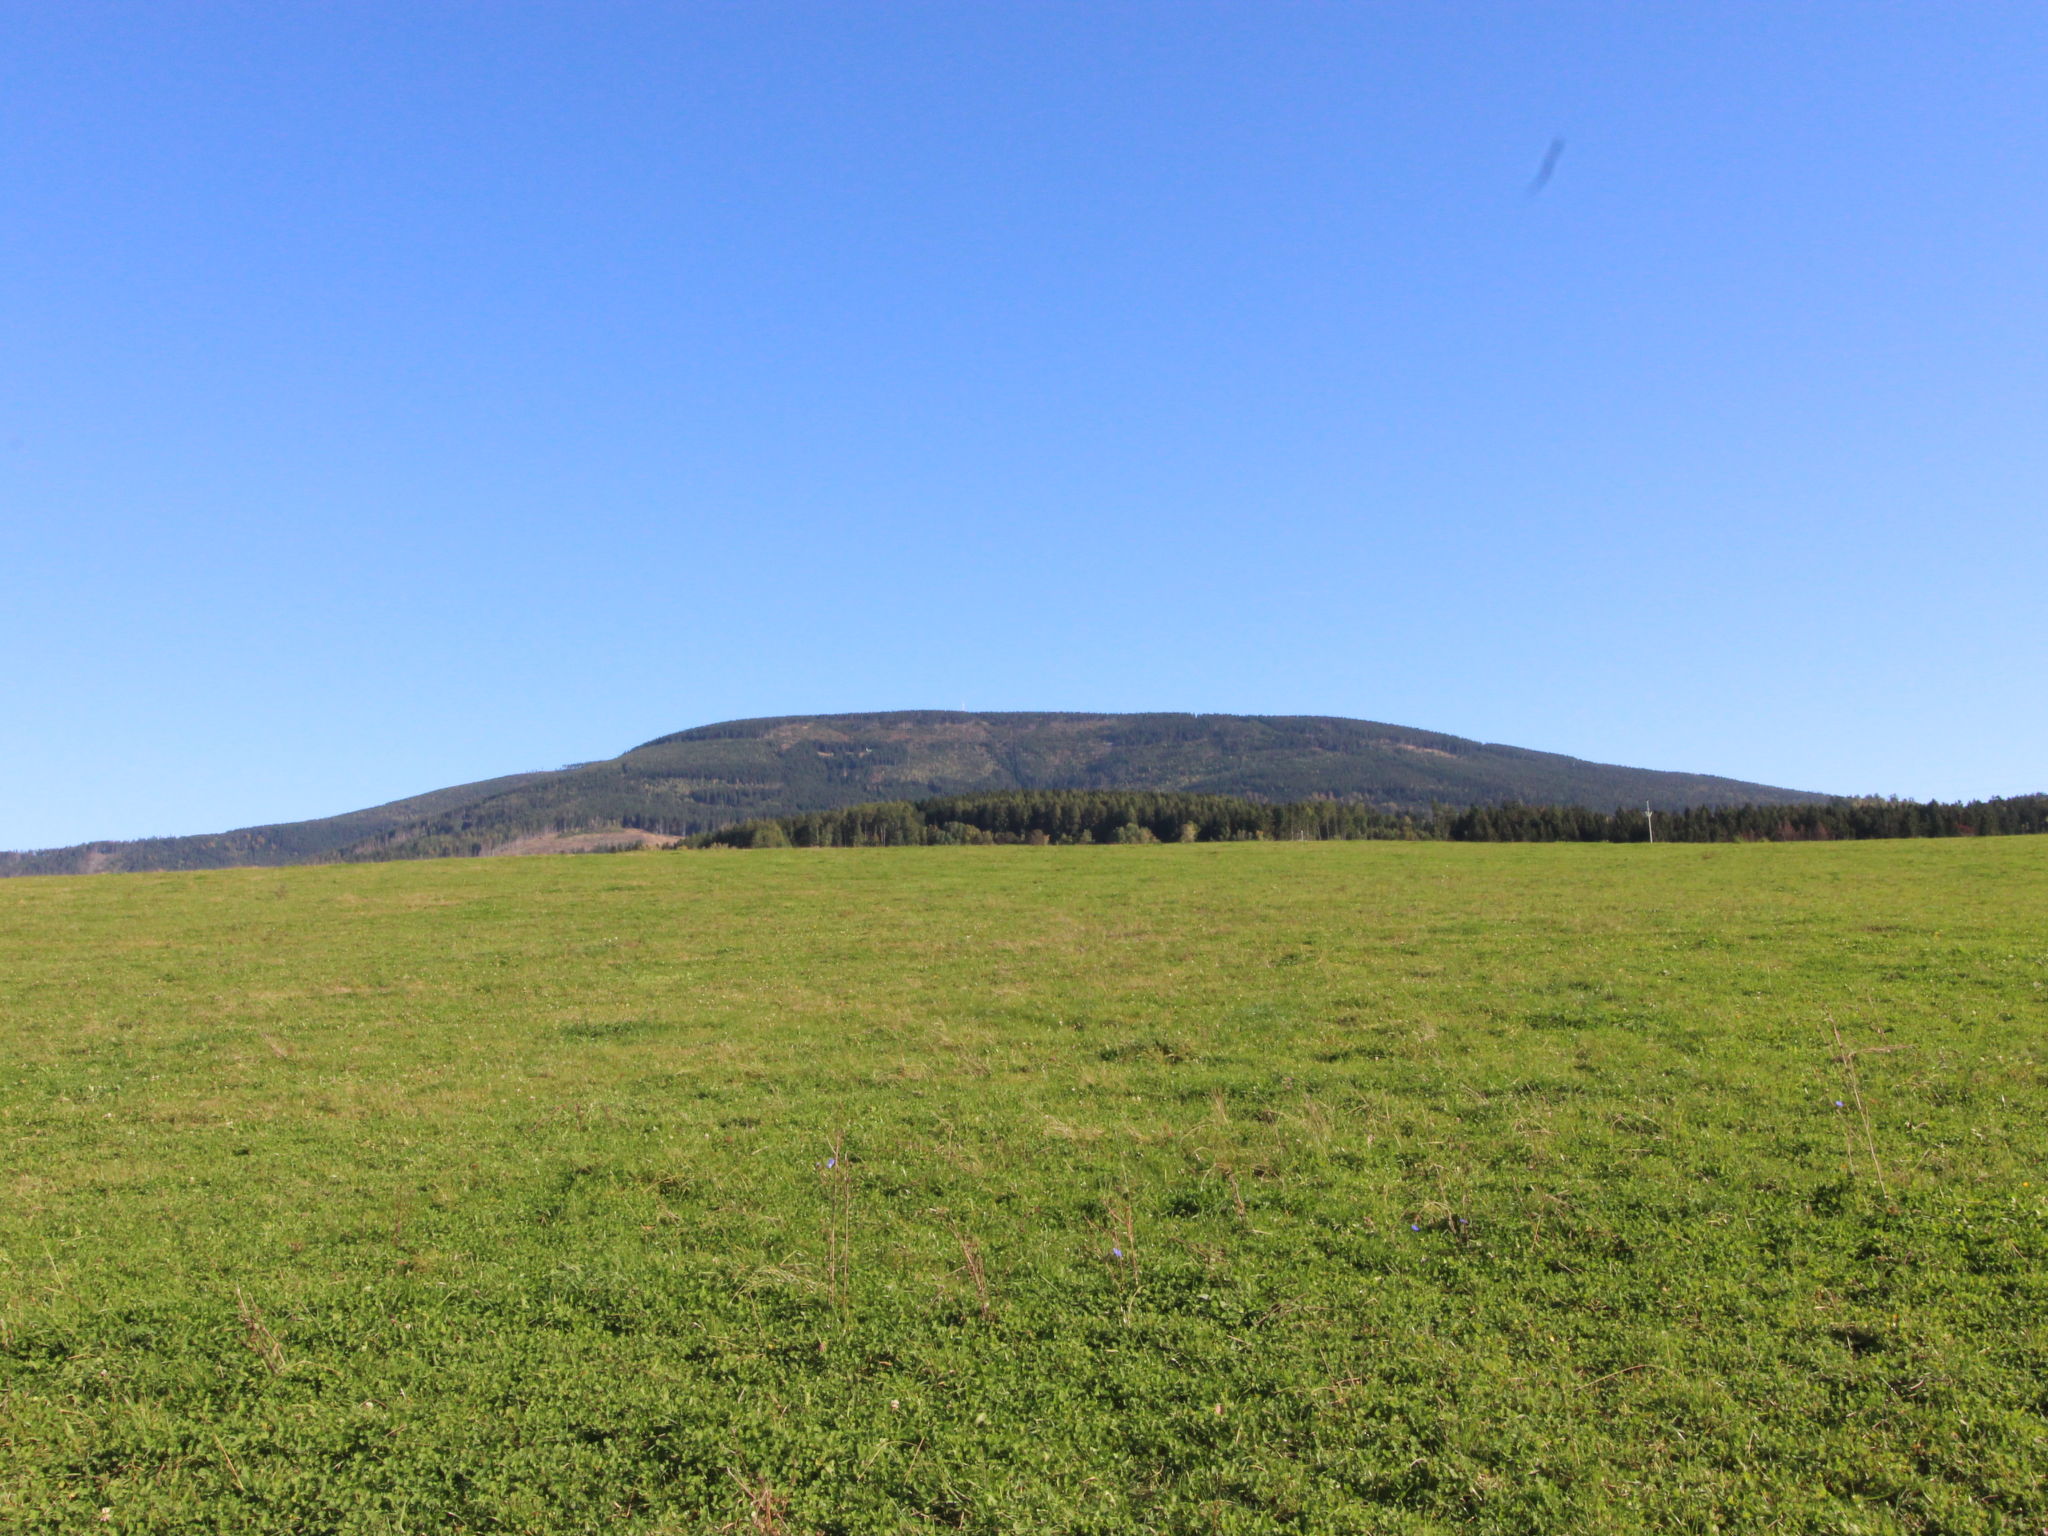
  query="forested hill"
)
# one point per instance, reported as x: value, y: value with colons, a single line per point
x: 716, y: 775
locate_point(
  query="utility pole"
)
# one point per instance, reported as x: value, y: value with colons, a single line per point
x: 1650, y: 820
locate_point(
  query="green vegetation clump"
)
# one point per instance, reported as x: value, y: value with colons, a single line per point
x: 1246, y: 1187
x: 1109, y: 816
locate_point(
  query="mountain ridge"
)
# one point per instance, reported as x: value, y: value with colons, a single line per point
x: 709, y: 776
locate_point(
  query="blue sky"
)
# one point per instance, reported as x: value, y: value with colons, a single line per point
x: 397, y: 395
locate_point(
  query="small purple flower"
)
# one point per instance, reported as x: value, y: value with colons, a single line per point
x: 1414, y: 1226
x: 831, y: 1162
x: 1118, y: 1252
x: 1838, y: 1103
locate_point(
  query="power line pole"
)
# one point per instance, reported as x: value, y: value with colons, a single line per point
x: 1650, y: 820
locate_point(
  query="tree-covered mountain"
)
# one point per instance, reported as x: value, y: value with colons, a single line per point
x: 715, y: 775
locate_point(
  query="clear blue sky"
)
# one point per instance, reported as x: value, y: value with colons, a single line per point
x: 393, y: 395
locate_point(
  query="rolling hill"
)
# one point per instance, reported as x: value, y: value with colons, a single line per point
x: 708, y: 777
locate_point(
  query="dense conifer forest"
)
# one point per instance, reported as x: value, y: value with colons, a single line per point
x: 1083, y: 816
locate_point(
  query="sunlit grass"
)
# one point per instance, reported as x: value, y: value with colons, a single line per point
x: 1324, y: 1187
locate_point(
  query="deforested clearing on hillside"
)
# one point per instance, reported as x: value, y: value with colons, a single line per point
x: 1321, y: 1187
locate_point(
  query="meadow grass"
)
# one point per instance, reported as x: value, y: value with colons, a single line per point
x: 1220, y: 1188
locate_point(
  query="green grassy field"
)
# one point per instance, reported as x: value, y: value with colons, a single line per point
x: 1226, y: 1188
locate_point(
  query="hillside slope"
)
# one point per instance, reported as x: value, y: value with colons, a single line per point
x: 701, y: 779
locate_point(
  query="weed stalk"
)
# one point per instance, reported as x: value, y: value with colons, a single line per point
x: 838, y: 1213
x: 977, y: 1272
x: 257, y: 1335
x: 1847, y: 1058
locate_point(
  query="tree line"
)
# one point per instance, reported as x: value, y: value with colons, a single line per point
x: 1123, y: 816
